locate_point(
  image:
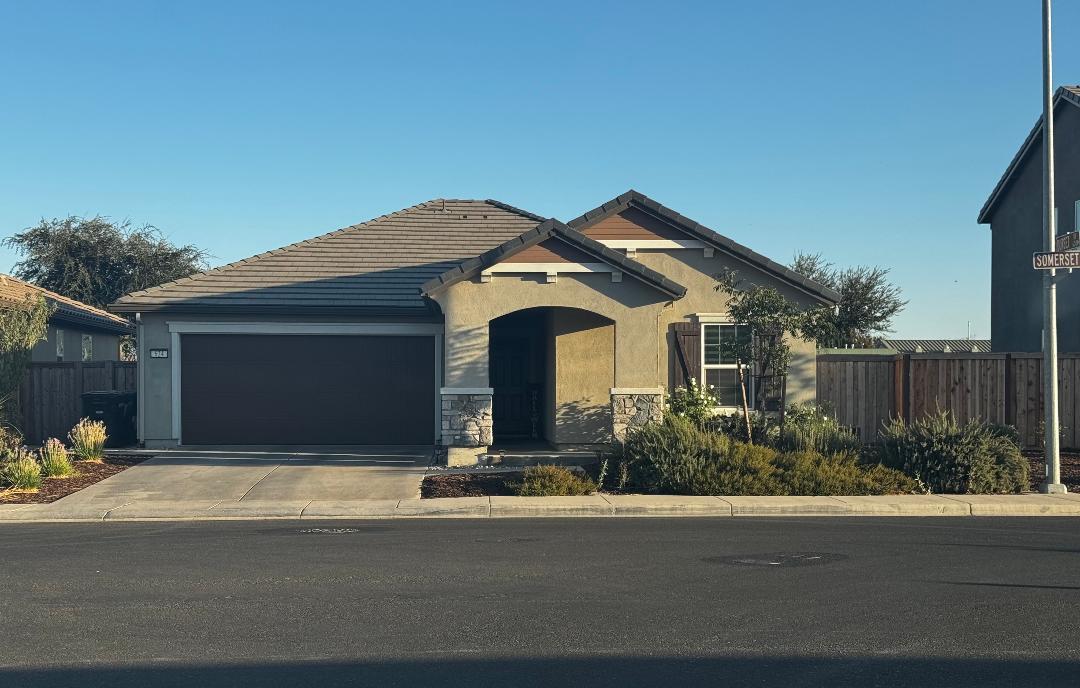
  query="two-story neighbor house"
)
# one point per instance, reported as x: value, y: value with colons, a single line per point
x: 1014, y: 213
x: 465, y: 322
x: 77, y: 331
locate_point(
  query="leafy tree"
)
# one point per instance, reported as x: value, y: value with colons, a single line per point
x: 97, y: 261
x: 773, y: 321
x: 21, y: 327
x: 868, y: 301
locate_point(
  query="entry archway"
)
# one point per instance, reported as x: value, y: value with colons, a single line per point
x: 551, y: 370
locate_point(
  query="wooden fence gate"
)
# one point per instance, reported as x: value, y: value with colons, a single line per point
x: 50, y: 398
x: 866, y: 390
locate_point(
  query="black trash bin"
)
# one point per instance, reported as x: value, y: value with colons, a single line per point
x: 117, y: 410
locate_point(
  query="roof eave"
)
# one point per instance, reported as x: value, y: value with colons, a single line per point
x: 546, y: 230
x: 716, y: 240
x: 1062, y: 95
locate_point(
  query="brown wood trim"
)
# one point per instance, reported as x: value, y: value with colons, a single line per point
x: 551, y: 251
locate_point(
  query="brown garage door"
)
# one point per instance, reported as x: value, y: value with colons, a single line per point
x: 307, y: 389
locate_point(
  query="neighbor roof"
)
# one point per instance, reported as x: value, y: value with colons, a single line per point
x: 915, y: 346
x: 553, y: 229
x: 1065, y: 94
x: 15, y: 292
x: 641, y: 201
x: 372, y: 267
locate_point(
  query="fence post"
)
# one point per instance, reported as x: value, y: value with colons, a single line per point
x: 1007, y: 389
x: 905, y: 386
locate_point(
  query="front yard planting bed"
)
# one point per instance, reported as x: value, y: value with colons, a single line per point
x: 86, y: 474
x: 1070, y: 470
x: 469, y: 485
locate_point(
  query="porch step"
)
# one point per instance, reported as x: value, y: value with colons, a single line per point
x: 553, y: 458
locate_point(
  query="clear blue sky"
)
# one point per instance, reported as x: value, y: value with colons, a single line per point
x: 869, y: 131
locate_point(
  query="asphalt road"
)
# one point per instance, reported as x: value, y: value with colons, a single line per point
x: 556, y: 602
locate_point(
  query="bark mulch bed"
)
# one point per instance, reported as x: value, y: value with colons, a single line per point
x: 86, y: 474
x: 468, y: 485
x: 1070, y: 469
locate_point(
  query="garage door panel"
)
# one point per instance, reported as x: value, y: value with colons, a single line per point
x: 307, y: 389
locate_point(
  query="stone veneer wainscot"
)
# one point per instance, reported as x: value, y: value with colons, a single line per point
x: 466, y: 417
x: 633, y: 408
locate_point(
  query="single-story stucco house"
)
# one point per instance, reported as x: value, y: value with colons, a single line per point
x: 77, y: 331
x: 461, y: 322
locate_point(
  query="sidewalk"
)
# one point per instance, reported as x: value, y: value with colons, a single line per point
x: 532, y: 507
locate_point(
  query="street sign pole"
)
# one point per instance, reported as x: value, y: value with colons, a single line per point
x: 1052, y: 484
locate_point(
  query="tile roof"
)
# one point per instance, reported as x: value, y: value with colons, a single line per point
x: 372, y: 267
x: 703, y: 233
x: 14, y: 291
x: 548, y: 229
x: 930, y: 346
x: 1064, y: 94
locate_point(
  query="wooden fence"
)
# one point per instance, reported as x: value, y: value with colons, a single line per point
x: 50, y: 398
x: 867, y: 390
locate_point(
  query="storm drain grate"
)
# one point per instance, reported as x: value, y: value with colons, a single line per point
x: 779, y: 559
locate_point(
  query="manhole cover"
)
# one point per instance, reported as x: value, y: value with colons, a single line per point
x: 779, y: 559
x: 328, y: 531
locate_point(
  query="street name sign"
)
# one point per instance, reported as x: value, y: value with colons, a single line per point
x: 1067, y: 242
x: 1059, y: 259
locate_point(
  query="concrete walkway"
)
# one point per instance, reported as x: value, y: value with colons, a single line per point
x: 133, y: 507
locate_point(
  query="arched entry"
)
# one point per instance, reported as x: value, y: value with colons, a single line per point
x: 551, y: 370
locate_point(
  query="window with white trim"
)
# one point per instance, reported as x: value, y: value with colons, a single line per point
x: 59, y: 334
x: 719, y: 372
x: 88, y: 347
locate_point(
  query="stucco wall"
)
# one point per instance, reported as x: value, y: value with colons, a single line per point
x: 584, y: 359
x: 641, y: 338
x: 106, y: 346
x: 468, y: 307
x: 690, y: 268
x: 1016, y: 232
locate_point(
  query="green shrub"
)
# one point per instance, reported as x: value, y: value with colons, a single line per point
x: 677, y: 457
x: 813, y: 473
x: 20, y: 471
x: 763, y: 427
x: 88, y: 440
x: 809, y: 427
x: 693, y: 403
x: 552, y: 481
x: 54, y: 459
x: 10, y: 440
x: 976, y: 458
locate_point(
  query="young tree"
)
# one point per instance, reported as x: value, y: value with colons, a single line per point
x: 97, y: 261
x: 868, y: 301
x: 21, y: 327
x: 773, y: 321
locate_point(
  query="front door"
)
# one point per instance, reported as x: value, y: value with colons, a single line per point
x: 516, y: 401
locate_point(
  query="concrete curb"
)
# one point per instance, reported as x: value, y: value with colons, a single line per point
x: 544, y: 507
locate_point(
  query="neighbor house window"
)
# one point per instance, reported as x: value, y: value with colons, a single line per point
x: 719, y: 371
x: 59, y: 334
x: 88, y: 347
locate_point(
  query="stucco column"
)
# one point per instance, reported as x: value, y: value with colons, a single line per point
x: 466, y: 396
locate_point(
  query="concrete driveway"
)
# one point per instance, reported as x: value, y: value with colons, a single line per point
x: 264, y: 474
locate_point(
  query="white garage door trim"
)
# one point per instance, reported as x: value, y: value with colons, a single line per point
x: 177, y: 328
